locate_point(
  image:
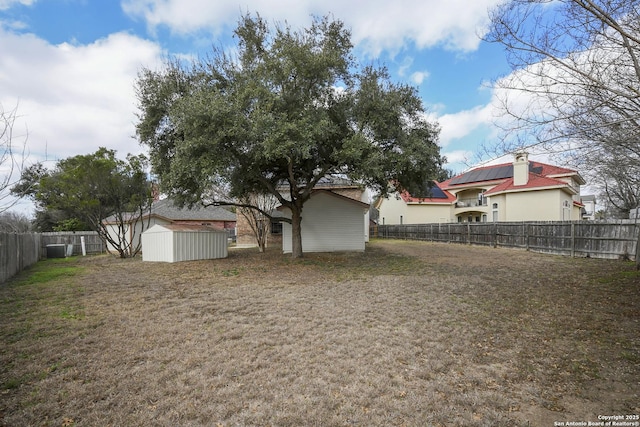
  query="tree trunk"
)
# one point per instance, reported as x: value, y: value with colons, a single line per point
x: 296, y: 232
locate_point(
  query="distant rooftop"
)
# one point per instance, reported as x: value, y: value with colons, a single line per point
x: 491, y: 173
x: 329, y: 182
x: 165, y: 208
x: 505, y: 171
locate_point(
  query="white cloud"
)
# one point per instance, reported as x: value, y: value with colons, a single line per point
x: 458, y: 158
x: 405, y: 65
x: 458, y: 125
x: 74, y: 98
x: 376, y: 25
x: 6, y: 4
x: 419, y: 76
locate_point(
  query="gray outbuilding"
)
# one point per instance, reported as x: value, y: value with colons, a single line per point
x: 180, y: 242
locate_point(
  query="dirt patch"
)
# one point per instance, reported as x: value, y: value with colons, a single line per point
x: 407, y: 333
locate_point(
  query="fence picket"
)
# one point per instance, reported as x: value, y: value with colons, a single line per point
x: 19, y: 251
x: 598, y: 239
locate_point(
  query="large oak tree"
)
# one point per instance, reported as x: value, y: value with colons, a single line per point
x: 284, y: 109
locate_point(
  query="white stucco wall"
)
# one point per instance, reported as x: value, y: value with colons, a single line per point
x: 392, y: 208
x: 329, y: 224
x: 544, y: 205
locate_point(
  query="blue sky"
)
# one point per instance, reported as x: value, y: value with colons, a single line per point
x: 70, y: 65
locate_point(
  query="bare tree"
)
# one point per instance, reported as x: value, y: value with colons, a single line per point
x: 616, y: 175
x: 575, y: 85
x: 258, y: 214
x: 13, y: 222
x: 12, y: 157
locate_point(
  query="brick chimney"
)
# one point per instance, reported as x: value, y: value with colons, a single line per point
x: 521, y: 168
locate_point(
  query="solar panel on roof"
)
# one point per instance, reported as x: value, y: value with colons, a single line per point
x: 491, y: 174
x: 460, y: 179
x: 505, y: 171
x: 428, y: 190
x: 486, y: 174
x: 436, y: 193
x: 536, y: 170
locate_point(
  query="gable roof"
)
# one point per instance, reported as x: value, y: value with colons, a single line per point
x: 340, y: 196
x: 184, y: 227
x: 438, y: 195
x: 504, y: 171
x: 536, y: 182
x: 487, y: 173
x: 363, y: 205
x: 166, y: 209
x: 328, y: 182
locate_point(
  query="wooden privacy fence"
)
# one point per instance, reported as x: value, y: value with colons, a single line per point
x: 92, y: 242
x: 618, y: 240
x: 17, y: 252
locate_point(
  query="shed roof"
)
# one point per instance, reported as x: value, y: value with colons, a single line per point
x: 158, y: 228
x: 327, y: 182
x: 363, y: 205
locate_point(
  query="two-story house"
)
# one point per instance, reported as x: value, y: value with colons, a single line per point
x: 520, y: 191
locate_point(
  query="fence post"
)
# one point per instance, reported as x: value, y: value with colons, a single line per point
x: 638, y: 247
x: 622, y: 235
x: 469, y: 233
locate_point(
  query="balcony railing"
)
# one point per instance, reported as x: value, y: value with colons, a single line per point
x: 468, y: 203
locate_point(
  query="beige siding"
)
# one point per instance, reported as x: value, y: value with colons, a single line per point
x: 329, y: 224
x: 501, y: 210
x: 425, y: 213
x: 536, y: 205
x: 545, y: 205
x: 393, y: 208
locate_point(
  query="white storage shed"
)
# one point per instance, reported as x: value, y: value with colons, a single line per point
x: 330, y: 223
x: 179, y: 242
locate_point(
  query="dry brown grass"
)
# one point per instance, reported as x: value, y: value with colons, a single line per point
x: 406, y: 334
